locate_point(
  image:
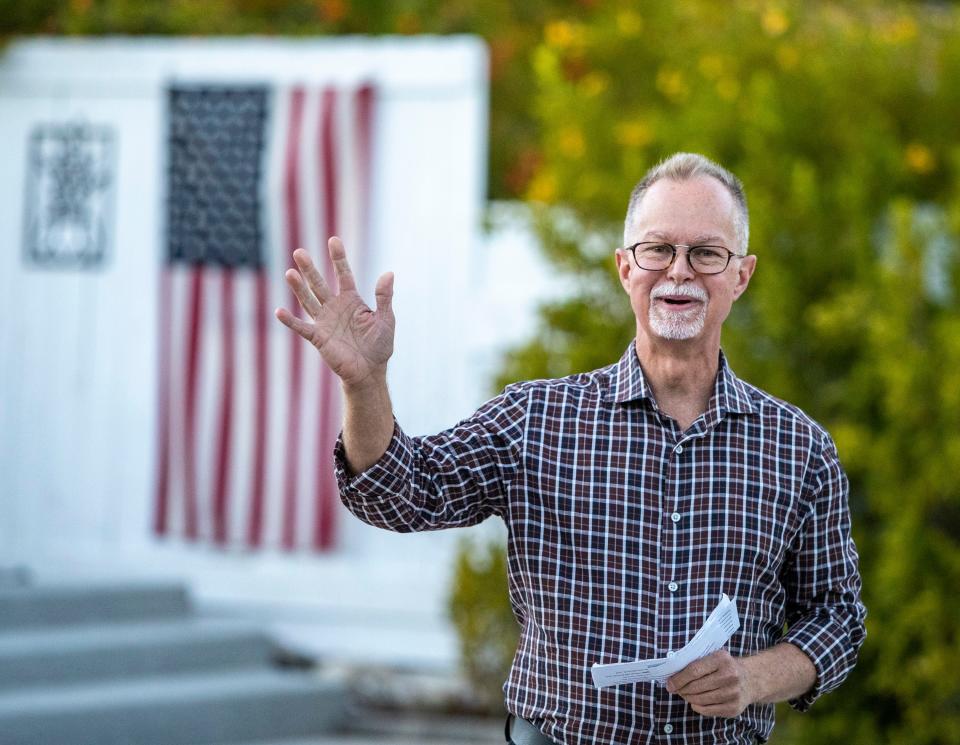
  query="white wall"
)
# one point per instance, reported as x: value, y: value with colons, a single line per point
x: 78, y: 347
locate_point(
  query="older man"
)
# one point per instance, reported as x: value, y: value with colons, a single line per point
x: 634, y: 495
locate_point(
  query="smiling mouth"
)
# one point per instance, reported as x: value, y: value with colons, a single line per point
x: 678, y: 302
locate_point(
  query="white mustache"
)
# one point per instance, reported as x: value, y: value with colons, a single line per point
x: 697, y: 293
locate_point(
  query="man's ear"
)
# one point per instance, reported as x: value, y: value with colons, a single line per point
x: 623, y: 268
x: 747, y: 265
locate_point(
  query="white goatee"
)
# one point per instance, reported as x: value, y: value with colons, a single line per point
x: 678, y: 325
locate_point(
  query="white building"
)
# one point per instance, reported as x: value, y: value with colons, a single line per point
x: 79, y: 355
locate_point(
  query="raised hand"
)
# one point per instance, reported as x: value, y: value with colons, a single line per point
x: 354, y: 340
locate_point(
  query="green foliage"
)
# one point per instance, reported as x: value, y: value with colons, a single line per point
x: 839, y: 118
x: 480, y: 611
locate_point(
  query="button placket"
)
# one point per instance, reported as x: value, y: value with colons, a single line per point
x: 681, y: 500
x: 676, y: 465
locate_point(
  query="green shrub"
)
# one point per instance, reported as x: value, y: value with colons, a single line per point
x: 480, y: 610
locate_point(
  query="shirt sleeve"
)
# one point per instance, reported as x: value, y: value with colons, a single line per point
x: 456, y: 478
x: 825, y: 616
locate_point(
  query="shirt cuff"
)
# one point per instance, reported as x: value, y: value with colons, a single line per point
x: 824, y: 641
x: 389, y: 475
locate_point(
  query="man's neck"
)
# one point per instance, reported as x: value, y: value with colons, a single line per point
x: 681, y: 375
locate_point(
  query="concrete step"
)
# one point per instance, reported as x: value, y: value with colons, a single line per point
x: 352, y: 739
x: 64, y: 655
x: 14, y: 576
x: 61, y: 605
x: 229, y: 707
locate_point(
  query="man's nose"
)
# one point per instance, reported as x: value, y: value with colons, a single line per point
x: 680, y: 270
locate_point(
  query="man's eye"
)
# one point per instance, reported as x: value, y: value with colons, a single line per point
x: 658, y: 249
x: 707, y: 254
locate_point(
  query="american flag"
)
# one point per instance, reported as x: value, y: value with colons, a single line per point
x: 247, y: 412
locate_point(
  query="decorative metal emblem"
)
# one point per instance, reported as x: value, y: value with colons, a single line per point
x: 68, y: 205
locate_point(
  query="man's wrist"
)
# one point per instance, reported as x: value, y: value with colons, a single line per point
x: 777, y: 674
x: 375, y: 381
x: 752, y: 685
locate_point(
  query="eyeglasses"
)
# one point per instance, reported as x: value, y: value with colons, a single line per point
x: 655, y: 256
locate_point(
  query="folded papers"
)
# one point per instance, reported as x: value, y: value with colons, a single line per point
x: 714, y: 633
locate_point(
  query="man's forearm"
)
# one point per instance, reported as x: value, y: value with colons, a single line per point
x: 780, y: 673
x: 368, y: 423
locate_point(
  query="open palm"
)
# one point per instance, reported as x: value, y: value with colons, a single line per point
x: 354, y: 340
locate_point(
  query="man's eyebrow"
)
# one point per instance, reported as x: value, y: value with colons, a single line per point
x: 704, y: 238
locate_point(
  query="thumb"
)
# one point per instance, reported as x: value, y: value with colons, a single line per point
x: 384, y: 293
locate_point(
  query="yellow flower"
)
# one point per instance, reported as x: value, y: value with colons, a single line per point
x: 634, y: 133
x: 543, y: 187
x: 594, y: 83
x: 571, y: 142
x: 629, y: 23
x: 672, y: 84
x: 774, y: 21
x: 919, y: 158
x: 562, y: 34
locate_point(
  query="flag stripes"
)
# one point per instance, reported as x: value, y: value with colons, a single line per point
x: 294, y: 230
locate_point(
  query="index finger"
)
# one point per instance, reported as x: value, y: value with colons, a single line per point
x: 338, y: 255
x: 695, y: 670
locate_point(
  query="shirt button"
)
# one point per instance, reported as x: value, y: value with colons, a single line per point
x: 678, y: 449
x: 671, y: 653
x: 675, y: 517
x: 668, y: 728
x: 673, y: 586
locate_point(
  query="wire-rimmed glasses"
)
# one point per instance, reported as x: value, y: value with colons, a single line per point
x: 656, y: 256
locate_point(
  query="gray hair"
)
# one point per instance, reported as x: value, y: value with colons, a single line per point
x: 685, y: 166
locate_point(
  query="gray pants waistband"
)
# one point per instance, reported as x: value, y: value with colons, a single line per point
x: 521, y: 732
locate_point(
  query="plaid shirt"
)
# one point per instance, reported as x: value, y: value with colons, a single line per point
x: 623, y: 531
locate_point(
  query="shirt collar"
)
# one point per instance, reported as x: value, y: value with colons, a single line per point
x: 628, y: 383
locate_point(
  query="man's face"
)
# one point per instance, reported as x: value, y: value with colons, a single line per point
x: 677, y: 303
